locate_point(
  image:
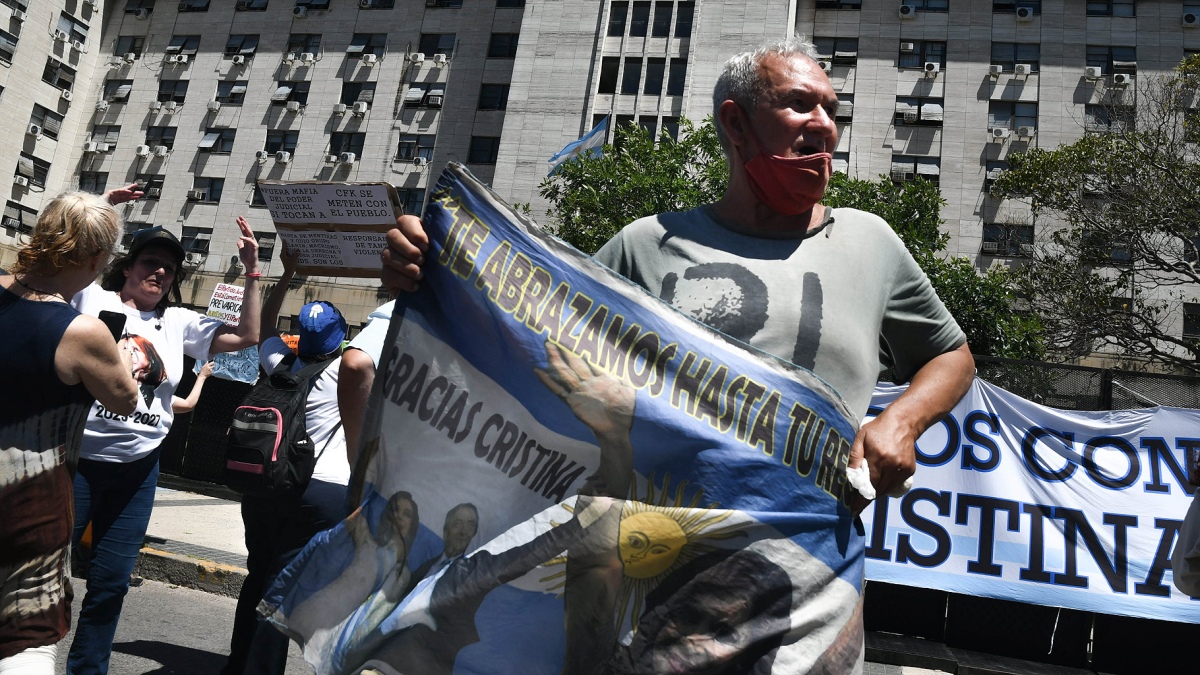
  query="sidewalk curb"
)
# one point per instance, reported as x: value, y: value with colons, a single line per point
x: 188, y: 572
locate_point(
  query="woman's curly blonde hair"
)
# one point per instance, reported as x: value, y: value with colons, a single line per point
x: 72, y: 229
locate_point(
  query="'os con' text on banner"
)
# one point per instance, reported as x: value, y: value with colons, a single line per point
x: 1017, y: 501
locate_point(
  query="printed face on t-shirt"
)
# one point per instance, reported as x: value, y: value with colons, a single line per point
x: 147, y: 366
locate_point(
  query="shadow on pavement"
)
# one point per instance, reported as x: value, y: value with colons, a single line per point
x: 174, y: 659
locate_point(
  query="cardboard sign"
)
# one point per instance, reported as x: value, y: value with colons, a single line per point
x: 226, y: 304
x: 338, y: 228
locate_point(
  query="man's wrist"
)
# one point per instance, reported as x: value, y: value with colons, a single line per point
x: 253, y: 275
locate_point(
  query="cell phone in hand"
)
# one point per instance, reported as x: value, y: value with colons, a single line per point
x: 115, y: 322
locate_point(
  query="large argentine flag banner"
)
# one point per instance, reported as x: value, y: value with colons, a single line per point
x: 1018, y: 501
x: 565, y: 475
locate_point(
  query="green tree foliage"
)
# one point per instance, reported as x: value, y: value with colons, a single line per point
x: 983, y: 304
x: 592, y: 198
x: 1127, y: 194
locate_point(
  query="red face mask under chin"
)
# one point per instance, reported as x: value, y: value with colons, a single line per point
x: 788, y: 185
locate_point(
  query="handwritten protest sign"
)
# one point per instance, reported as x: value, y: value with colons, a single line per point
x: 239, y: 366
x: 338, y: 228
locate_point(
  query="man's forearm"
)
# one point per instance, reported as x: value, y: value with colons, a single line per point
x: 270, y: 309
x: 934, y: 390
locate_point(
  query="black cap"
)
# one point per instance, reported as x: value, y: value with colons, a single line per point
x: 155, y: 235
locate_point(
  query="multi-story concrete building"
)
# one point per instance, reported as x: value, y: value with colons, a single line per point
x: 201, y: 98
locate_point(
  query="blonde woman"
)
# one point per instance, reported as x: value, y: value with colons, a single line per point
x: 57, y: 363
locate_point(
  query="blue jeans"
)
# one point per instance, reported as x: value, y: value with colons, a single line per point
x: 276, y: 531
x: 117, y: 499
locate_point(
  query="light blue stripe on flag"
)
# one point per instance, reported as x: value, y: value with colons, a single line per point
x: 591, y: 143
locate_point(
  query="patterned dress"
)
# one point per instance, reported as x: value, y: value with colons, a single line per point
x: 41, y: 428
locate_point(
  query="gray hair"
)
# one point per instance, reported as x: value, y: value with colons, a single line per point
x: 739, y: 81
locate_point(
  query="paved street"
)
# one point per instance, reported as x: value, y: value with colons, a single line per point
x: 165, y: 629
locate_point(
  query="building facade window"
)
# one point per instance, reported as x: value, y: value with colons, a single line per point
x: 670, y: 127
x: 640, y: 20
x: 917, y: 54
x: 1112, y: 59
x: 1109, y: 118
x: 76, y: 30
x: 1012, y: 115
x: 160, y: 136
x: 1010, y: 6
x: 95, y: 182
x: 839, y: 50
x: 930, y: 5
x: 287, y: 91
x: 106, y: 133
x: 344, y: 141
x: 8, y: 46
x: 130, y: 44
x: 631, y: 77
x: 231, y: 92
x: 266, y: 243
x: 683, y: 19
x: 493, y: 96
x: 58, y: 74
x: 1191, y: 320
x: 503, y: 46
x: 1007, y: 239
x: 677, y: 77
x: 358, y: 92
x: 33, y: 168
x: 906, y: 168
x: 151, y: 184
x: 304, y: 43
x: 251, y: 5
x: 211, y: 187
x: 219, y: 141
x: 196, y: 239
x: 117, y: 91
x: 1112, y: 8
x: 839, y: 4
x: 656, y: 70
x: 139, y: 7
x: 916, y: 111
x: 1008, y: 55
x: 662, y: 19
x: 313, y: 4
x: 282, y: 140
x: 193, y: 5
x: 187, y: 45
x: 508, y: 4
x: 437, y: 43
x: 244, y: 44
x: 618, y: 12
x: 412, y: 199
x: 610, y: 66
x: 367, y: 43
x: 412, y: 146
x: 49, y: 121
x: 483, y: 150
x: 18, y: 218
x: 172, y: 90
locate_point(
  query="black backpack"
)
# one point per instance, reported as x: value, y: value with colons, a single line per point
x: 269, y: 453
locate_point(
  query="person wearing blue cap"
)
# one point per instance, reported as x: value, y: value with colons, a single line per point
x: 278, y: 528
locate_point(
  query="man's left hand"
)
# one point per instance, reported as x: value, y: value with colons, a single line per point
x: 891, y: 455
x: 247, y: 246
x: 124, y: 194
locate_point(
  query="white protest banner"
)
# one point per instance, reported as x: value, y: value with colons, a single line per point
x: 338, y: 228
x: 1018, y: 501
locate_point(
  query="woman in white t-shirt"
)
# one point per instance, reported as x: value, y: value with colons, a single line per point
x: 277, y: 528
x: 118, y: 466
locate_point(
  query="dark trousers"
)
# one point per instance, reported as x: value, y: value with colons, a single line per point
x: 276, y: 531
x: 117, y: 499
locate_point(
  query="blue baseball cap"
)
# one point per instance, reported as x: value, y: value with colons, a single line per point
x: 322, y: 329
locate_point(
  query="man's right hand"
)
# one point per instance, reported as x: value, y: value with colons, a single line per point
x: 407, y: 244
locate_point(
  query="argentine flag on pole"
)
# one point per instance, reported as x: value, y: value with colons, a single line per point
x: 590, y: 144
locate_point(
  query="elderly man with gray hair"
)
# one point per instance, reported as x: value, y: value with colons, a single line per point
x: 832, y: 290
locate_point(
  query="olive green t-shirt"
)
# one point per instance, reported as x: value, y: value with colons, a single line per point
x: 845, y: 300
